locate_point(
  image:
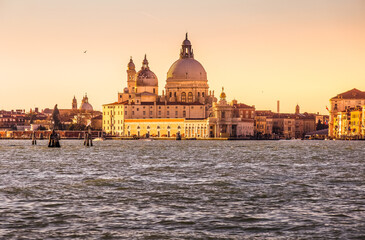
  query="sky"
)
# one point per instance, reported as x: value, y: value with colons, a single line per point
x: 261, y: 51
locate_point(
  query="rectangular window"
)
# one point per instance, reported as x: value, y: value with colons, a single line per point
x: 168, y: 113
x: 159, y: 112
x: 175, y: 113
x: 132, y: 112
x: 144, y: 112
x: 150, y: 112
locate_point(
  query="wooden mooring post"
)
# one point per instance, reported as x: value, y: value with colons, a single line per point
x: 54, y: 139
x: 88, y: 140
x: 34, y: 138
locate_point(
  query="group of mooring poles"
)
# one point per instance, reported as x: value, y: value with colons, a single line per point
x: 54, y: 139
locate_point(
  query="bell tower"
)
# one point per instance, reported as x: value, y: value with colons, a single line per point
x: 131, y: 74
x: 74, y: 104
x: 297, y: 109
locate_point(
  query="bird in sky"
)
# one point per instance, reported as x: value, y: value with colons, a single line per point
x: 85, y: 51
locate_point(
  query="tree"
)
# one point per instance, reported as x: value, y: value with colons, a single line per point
x: 56, y: 118
x: 321, y: 126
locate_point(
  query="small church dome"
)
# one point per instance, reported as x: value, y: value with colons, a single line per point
x: 85, y: 105
x: 145, y: 77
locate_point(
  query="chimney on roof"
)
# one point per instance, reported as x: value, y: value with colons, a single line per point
x: 278, y: 107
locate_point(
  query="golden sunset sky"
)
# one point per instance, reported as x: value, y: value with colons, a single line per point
x: 261, y: 51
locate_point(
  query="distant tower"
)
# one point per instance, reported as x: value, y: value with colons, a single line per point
x: 131, y: 73
x: 278, y: 106
x: 297, y: 109
x: 74, y: 103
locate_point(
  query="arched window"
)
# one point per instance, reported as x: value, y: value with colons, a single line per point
x: 170, y: 94
x: 190, y: 97
x: 202, y: 94
x: 183, y: 97
x: 154, y: 90
x: 198, y: 94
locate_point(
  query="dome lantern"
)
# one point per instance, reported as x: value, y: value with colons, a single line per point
x: 145, y: 62
x: 186, y: 49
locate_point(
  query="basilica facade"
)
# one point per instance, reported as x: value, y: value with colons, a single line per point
x: 186, y: 107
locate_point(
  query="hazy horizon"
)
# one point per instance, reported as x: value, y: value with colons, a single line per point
x: 298, y: 52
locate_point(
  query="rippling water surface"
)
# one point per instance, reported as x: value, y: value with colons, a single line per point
x: 183, y: 190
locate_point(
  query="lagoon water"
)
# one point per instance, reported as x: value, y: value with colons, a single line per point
x: 183, y: 190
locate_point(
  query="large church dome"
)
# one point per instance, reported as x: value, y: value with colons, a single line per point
x: 187, y: 68
x: 187, y: 79
x: 145, y: 77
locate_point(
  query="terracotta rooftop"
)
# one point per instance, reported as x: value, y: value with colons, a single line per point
x: 351, y: 94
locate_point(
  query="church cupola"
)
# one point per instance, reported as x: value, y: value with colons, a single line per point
x: 186, y: 49
x: 145, y: 63
x: 131, y: 65
x: 223, y: 94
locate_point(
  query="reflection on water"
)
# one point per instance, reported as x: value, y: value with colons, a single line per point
x: 182, y: 190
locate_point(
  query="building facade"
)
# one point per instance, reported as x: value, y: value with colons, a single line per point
x: 272, y: 125
x: 186, y: 105
x: 347, y: 115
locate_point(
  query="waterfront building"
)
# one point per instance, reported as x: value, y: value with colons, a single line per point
x: 347, y: 115
x: 186, y: 105
x: 12, y: 119
x: 284, y: 125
